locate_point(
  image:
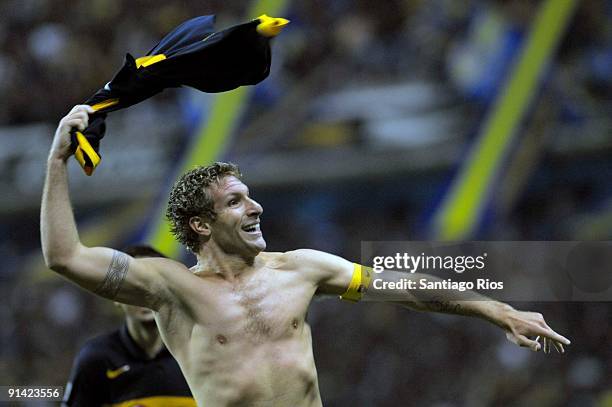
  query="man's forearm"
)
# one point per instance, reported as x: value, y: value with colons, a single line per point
x: 468, y: 303
x: 520, y: 326
x: 59, y: 234
x: 483, y: 307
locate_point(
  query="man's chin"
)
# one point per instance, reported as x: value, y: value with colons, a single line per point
x: 255, y: 243
x: 259, y: 245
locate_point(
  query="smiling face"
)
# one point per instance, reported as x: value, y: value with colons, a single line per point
x: 235, y: 228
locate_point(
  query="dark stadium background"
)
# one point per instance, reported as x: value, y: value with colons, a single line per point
x: 362, y: 126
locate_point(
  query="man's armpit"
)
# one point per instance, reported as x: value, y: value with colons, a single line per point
x: 117, y: 270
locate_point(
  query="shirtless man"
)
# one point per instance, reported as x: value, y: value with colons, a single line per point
x: 235, y: 321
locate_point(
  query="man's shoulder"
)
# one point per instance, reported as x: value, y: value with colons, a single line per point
x: 98, y: 348
x: 312, y: 266
x: 294, y: 259
x: 163, y: 263
x: 168, y: 268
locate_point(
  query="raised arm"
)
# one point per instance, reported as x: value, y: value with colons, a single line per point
x: 334, y: 275
x: 106, y: 272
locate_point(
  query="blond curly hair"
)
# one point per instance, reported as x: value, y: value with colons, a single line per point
x: 190, y: 197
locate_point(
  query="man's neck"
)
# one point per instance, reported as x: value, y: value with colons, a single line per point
x: 212, y: 260
x: 146, y: 337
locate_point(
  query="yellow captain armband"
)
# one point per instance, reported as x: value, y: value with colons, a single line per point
x: 359, y: 283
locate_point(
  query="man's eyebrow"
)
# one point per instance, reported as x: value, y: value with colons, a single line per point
x: 233, y: 195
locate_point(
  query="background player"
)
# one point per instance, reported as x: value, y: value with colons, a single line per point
x: 129, y: 366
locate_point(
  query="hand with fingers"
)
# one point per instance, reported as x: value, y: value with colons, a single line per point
x: 520, y: 326
x: 77, y: 118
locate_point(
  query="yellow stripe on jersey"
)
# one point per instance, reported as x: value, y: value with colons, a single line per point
x: 104, y: 104
x: 143, y: 62
x: 158, y: 401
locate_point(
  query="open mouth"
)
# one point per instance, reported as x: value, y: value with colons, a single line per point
x: 252, y: 228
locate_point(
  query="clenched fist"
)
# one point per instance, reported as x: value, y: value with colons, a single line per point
x: 77, y: 118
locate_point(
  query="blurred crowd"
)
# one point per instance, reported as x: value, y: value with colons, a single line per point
x: 56, y: 53
x: 60, y: 52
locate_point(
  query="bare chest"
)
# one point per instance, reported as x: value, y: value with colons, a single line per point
x: 264, y: 308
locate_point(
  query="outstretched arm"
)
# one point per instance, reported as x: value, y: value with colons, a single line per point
x: 518, y: 325
x: 333, y: 275
x: 107, y: 272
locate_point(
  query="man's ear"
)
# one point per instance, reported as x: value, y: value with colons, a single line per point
x: 200, y: 226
